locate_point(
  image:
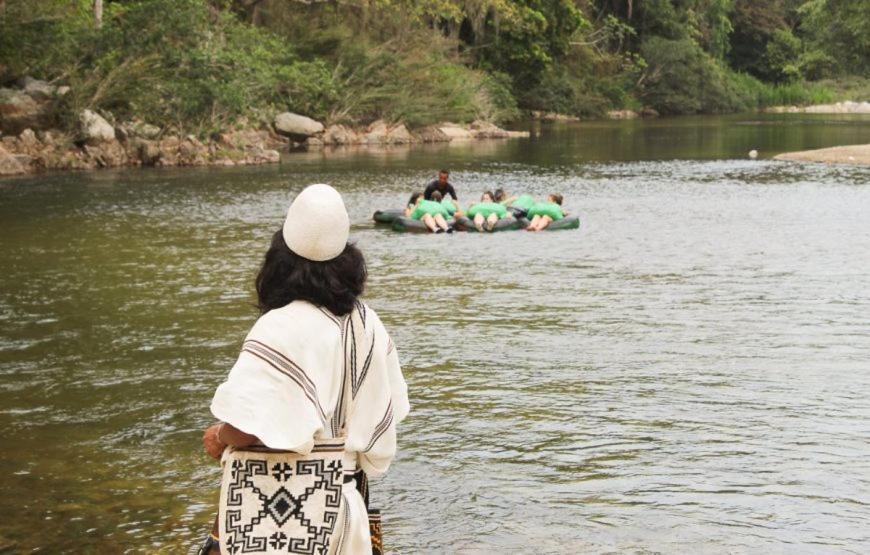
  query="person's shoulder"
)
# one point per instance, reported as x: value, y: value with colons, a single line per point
x: 371, y: 315
x: 298, y: 315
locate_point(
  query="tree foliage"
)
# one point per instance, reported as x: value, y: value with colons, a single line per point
x: 203, y: 64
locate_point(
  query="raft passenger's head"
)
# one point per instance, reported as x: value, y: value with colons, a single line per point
x: 310, y: 258
x: 499, y: 195
x: 486, y: 196
x: 442, y: 176
x: 415, y: 198
x: 436, y: 196
x: 556, y: 197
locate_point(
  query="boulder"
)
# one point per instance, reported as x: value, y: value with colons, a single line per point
x: 487, y: 130
x: 147, y: 152
x: 263, y: 156
x: 431, y: 134
x: 9, y: 164
x: 37, y: 88
x: 297, y: 127
x: 649, y: 112
x: 622, y: 114
x: 143, y: 130
x: 19, y: 110
x: 191, y: 152
x: 168, y: 151
x: 455, y: 132
x: 339, y: 135
x: 106, y: 154
x: 376, y: 133
x: 28, y: 140
x: 518, y: 134
x: 94, y: 128
x: 399, y: 135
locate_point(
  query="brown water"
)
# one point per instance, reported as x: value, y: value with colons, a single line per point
x: 689, y: 372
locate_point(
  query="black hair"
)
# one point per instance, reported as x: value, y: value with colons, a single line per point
x: 499, y: 195
x: 333, y: 284
x: 436, y: 196
x: 414, y: 196
x: 557, y: 198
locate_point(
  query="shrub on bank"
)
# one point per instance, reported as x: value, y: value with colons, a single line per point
x: 194, y: 67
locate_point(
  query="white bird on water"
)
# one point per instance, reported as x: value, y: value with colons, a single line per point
x: 753, y: 154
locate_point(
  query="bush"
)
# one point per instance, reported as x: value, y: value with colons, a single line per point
x: 683, y: 79
x: 170, y: 62
x: 781, y: 55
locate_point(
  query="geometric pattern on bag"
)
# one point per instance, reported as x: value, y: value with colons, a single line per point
x: 280, y: 501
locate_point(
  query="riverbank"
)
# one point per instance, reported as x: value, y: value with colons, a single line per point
x: 845, y: 107
x: 52, y: 150
x: 31, y: 140
x: 850, y: 154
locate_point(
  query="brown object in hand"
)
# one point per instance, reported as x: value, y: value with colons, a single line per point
x: 376, y: 532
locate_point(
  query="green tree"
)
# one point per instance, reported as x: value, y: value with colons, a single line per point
x: 838, y: 31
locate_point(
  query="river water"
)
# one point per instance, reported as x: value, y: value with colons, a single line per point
x: 687, y: 373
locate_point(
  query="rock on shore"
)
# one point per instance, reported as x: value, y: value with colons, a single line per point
x: 851, y: 154
x: 28, y: 143
x: 382, y: 133
x: 296, y: 127
x: 847, y: 107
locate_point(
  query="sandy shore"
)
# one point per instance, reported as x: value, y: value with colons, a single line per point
x: 851, y: 154
x: 847, y: 107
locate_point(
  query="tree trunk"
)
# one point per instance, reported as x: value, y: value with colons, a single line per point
x: 98, y: 13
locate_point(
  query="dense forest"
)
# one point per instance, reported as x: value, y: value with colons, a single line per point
x: 202, y: 65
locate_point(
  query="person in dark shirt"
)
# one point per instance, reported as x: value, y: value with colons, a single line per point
x: 441, y: 185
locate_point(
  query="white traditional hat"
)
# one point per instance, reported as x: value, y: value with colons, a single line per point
x: 317, y: 225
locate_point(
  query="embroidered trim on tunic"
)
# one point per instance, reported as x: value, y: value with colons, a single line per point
x: 358, y: 380
x: 362, y: 312
x: 287, y: 367
x: 339, y: 414
x: 382, y: 427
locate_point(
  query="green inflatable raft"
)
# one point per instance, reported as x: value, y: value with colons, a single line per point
x: 568, y: 222
x: 388, y: 216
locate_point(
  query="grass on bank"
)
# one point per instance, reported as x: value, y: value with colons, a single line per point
x: 186, y: 65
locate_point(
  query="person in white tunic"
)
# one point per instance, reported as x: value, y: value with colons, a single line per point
x: 313, y: 399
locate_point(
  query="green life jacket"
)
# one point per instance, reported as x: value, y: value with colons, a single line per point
x: 429, y: 207
x: 486, y: 209
x: 546, y: 209
x: 523, y: 202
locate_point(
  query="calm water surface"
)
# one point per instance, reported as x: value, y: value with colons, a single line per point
x: 687, y: 373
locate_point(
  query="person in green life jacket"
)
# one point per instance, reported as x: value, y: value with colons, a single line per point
x: 431, y: 212
x: 543, y: 214
x: 518, y: 204
x: 451, y: 206
x: 487, y: 212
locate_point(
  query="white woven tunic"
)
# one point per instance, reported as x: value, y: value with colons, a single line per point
x: 304, y: 373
